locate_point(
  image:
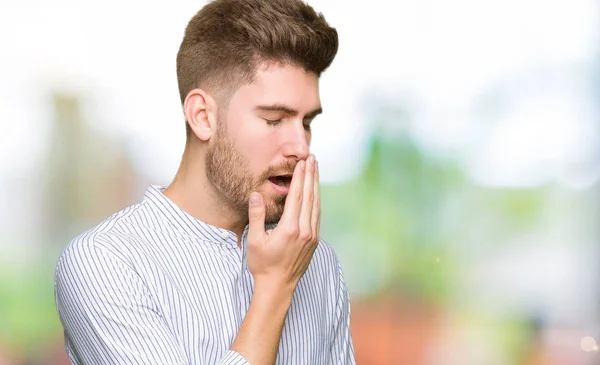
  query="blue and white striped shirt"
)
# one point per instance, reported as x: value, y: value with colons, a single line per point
x: 153, y: 285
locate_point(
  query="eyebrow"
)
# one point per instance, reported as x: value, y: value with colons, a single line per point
x: 287, y: 110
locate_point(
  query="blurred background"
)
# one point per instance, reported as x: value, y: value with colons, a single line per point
x: 459, y: 150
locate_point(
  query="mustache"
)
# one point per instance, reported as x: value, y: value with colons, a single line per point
x: 286, y: 168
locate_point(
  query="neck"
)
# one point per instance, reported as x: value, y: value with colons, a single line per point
x: 193, y: 193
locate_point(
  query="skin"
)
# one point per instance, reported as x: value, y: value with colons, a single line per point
x: 223, y: 181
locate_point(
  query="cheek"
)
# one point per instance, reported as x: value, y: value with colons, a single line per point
x: 259, y: 152
x: 257, y: 143
x: 262, y: 154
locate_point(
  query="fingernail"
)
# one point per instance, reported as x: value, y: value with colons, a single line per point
x: 311, y: 158
x: 302, y: 165
x: 254, y: 199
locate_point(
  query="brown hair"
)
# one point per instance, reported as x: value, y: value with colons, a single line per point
x: 227, y: 39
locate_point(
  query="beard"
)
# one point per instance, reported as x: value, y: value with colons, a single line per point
x: 227, y: 170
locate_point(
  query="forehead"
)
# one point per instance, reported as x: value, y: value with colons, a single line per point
x: 286, y: 85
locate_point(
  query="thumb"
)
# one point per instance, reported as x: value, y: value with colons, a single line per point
x: 256, y: 217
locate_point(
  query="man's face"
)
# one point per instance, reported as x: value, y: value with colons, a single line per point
x: 261, y: 136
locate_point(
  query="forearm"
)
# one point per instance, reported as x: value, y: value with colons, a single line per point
x: 259, y: 335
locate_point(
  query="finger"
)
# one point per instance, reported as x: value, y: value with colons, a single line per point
x: 308, y: 193
x: 291, y: 210
x: 256, y: 218
x: 316, y: 209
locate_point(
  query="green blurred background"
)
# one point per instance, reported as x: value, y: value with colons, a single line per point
x: 459, y: 149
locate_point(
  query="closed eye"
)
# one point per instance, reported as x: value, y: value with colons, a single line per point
x: 272, y: 122
x: 306, y: 124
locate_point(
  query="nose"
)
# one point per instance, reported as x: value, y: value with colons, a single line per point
x: 296, y: 142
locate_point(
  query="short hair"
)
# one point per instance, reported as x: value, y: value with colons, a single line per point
x: 226, y: 41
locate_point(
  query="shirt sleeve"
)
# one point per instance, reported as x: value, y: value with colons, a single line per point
x: 342, y: 349
x: 108, y: 313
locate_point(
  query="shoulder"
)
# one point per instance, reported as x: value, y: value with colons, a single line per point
x: 110, y: 237
x: 324, y: 277
x: 325, y: 262
x: 326, y: 253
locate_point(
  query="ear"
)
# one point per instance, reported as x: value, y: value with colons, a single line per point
x: 200, y: 111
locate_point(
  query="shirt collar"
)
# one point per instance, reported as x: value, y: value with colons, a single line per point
x: 186, y: 223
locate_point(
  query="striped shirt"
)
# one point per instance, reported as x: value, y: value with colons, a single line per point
x: 153, y: 285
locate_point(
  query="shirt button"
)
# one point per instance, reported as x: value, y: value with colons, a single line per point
x: 224, y: 235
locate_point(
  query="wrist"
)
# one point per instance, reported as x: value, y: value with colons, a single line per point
x: 277, y: 290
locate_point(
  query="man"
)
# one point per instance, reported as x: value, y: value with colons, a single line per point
x: 225, y: 265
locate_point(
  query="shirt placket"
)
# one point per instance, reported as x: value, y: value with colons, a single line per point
x: 247, y: 282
